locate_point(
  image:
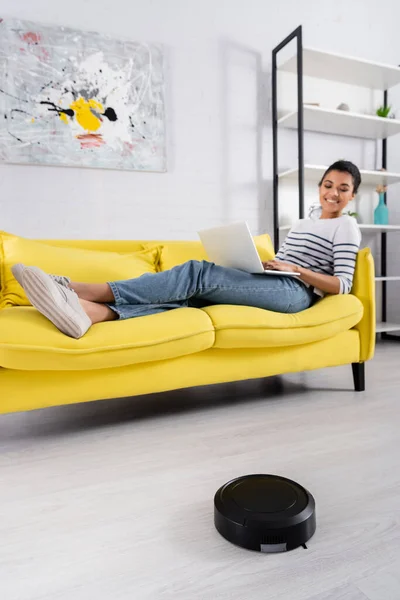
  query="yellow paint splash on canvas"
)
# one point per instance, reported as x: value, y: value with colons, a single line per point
x: 84, y: 115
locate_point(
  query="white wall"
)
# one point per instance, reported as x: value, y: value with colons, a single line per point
x: 218, y: 119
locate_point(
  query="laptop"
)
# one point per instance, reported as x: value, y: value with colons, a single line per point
x: 233, y: 246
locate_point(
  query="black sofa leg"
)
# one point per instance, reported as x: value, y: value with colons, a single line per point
x: 359, y: 376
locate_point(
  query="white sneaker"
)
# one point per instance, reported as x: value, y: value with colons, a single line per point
x: 19, y: 268
x: 56, y: 302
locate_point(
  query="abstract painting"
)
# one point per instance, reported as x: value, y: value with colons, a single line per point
x: 75, y: 98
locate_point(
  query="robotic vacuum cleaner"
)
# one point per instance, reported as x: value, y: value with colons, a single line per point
x: 265, y: 513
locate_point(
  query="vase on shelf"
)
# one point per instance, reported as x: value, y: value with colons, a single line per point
x: 381, y: 213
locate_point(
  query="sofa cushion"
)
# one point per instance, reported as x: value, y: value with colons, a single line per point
x: 78, y: 264
x: 247, y: 327
x: 28, y: 341
x: 176, y: 253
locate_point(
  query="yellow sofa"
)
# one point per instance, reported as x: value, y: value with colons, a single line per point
x: 40, y: 367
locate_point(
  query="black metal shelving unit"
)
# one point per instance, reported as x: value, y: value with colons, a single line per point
x: 298, y: 36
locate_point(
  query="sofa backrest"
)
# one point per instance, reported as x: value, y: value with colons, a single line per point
x: 263, y: 243
x: 173, y: 251
x: 121, y: 246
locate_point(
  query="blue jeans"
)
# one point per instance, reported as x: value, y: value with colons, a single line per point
x: 198, y: 284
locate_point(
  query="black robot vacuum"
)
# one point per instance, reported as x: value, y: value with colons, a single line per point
x: 265, y: 513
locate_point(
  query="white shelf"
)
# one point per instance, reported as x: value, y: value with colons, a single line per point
x: 340, y: 122
x: 390, y: 278
x: 369, y: 178
x: 373, y: 227
x: 364, y: 227
x: 345, y: 69
x: 384, y: 327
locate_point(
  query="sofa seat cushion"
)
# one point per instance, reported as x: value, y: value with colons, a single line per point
x: 246, y: 327
x: 28, y: 341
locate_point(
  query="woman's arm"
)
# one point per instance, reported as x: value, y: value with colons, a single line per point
x: 327, y: 283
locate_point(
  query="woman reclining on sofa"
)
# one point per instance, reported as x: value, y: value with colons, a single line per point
x: 323, y: 251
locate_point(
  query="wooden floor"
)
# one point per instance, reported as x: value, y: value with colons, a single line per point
x: 114, y: 500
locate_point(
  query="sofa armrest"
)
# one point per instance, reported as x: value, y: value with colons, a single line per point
x: 364, y: 289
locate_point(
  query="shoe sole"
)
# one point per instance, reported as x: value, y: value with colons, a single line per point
x: 17, y: 271
x: 45, y: 296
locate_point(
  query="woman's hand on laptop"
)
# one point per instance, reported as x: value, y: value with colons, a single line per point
x: 278, y: 265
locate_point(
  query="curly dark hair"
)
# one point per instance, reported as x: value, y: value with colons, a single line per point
x: 345, y: 166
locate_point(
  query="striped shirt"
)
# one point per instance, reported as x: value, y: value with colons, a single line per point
x: 327, y: 246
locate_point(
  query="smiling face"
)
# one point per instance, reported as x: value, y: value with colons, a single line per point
x: 335, y: 192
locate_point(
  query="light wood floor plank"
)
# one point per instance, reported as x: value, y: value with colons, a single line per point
x: 384, y: 584
x: 345, y: 592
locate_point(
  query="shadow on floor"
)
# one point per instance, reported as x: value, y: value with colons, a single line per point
x: 70, y: 419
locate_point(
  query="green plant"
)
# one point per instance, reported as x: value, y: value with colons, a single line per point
x: 383, y: 111
x: 352, y: 214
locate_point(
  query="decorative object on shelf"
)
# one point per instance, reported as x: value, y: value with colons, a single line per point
x: 343, y: 106
x: 383, y: 111
x: 381, y: 213
x: 355, y: 215
x: 78, y: 98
